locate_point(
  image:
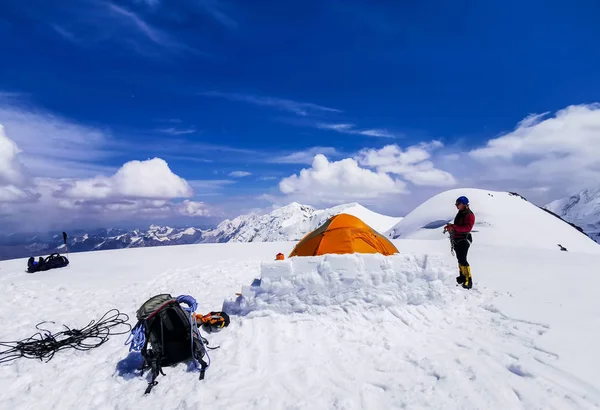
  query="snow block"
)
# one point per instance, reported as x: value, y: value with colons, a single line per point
x: 276, y: 269
x: 310, y: 284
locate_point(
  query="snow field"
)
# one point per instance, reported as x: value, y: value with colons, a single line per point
x: 401, y: 335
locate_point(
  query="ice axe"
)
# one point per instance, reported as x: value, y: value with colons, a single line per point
x: 66, y: 247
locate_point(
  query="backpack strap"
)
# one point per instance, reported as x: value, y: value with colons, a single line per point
x: 156, y: 369
x: 193, y: 305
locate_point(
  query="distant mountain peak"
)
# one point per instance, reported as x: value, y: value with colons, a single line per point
x: 582, y: 209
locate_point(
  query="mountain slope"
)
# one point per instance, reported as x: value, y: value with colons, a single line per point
x: 395, y: 333
x: 582, y: 209
x: 501, y: 218
x: 290, y: 223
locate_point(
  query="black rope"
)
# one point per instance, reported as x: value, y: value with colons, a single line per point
x: 44, y: 346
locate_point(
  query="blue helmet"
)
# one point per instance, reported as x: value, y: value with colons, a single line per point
x: 462, y: 200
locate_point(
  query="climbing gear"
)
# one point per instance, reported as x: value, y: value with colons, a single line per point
x: 55, y: 260
x: 466, y: 272
x: 213, y: 321
x: 166, y: 334
x: 44, y: 345
x: 460, y: 279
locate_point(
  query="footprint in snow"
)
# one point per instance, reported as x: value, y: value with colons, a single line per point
x: 518, y: 370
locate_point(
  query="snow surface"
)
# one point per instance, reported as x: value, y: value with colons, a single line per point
x: 582, y: 209
x: 347, y: 332
x: 501, y: 219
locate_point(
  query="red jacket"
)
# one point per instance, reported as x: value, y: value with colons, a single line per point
x: 463, y: 223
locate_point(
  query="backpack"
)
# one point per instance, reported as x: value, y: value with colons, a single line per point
x: 55, y: 260
x: 166, y: 335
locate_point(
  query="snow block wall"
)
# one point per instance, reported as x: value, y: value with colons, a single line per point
x: 312, y: 284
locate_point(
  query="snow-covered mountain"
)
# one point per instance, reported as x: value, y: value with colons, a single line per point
x: 582, y: 209
x: 498, y: 216
x: 291, y: 223
x: 16, y: 246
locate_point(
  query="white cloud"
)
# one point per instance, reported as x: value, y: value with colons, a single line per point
x: 11, y: 169
x: 298, y: 108
x: 150, y: 32
x: 210, y: 184
x: 304, y: 157
x: 14, y: 178
x: 136, y: 179
x: 412, y: 164
x: 239, y: 174
x: 192, y: 208
x: 11, y: 193
x: 175, y: 131
x: 104, y: 21
x: 560, y: 153
x: 351, y: 129
x: 214, y: 9
x: 54, y: 146
x: 332, y: 182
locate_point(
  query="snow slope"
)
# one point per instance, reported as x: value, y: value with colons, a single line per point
x: 290, y: 223
x: 582, y: 209
x: 501, y: 219
x: 351, y: 331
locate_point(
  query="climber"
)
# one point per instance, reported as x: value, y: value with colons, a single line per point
x: 460, y: 235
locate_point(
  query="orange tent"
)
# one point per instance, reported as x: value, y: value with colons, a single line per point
x: 343, y: 233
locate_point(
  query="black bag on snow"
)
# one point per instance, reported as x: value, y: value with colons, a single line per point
x: 165, y: 335
x: 55, y: 260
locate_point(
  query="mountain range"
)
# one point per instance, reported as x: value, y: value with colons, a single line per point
x: 288, y: 223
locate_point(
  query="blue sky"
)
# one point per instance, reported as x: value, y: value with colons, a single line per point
x: 218, y: 88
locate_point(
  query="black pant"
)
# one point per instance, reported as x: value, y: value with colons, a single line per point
x: 461, y: 247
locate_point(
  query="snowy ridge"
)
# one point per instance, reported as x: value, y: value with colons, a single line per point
x: 501, y: 219
x: 290, y: 223
x: 582, y: 209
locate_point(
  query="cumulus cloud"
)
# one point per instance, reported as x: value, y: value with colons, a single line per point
x: 412, y: 164
x: 136, y: 179
x: 559, y: 153
x: 11, y: 169
x: 14, y: 179
x: 239, y: 174
x: 192, y: 208
x: 331, y: 182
